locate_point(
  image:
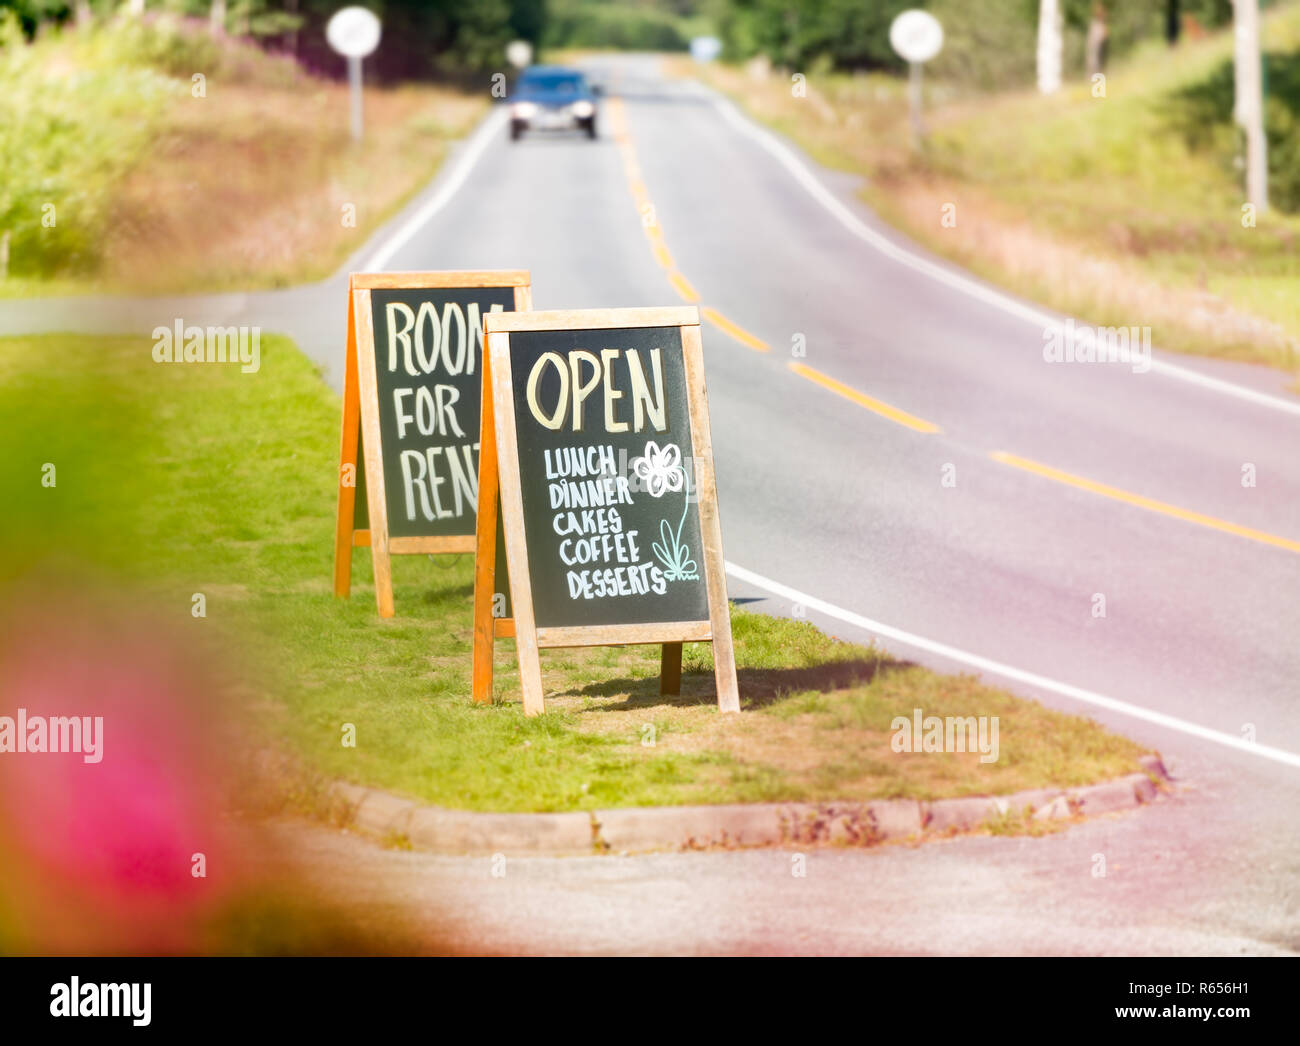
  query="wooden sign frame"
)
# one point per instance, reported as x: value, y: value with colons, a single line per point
x: 361, y: 416
x: 499, y: 477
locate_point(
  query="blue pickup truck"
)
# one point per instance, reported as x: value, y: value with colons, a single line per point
x: 549, y: 97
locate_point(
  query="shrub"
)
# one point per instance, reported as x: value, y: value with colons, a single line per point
x: 67, y: 131
x: 602, y: 25
x: 1202, y: 115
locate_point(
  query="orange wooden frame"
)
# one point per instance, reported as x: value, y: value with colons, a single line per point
x: 361, y: 418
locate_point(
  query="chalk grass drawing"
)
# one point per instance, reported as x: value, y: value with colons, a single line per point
x: 662, y: 472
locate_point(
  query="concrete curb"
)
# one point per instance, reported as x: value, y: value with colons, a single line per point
x: 642, y: 829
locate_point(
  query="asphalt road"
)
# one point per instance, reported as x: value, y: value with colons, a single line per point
x: 967, y: 896
x: 825, y: 497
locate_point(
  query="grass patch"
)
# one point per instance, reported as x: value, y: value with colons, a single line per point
x: 181, y: 479
x: 159, y: 184
x: 1125, y: 210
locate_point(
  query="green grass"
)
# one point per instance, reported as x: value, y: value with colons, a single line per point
x: 177, y: 479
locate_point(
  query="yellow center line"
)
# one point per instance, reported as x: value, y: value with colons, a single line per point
x: 863, y: 400
x: 654, y: 234
x: 1165, y: 509
x: 662, y: 256
x: 739, y: 333
x: 682, y: 286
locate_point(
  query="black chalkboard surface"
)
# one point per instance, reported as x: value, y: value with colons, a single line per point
x: 412, y: 399
x: 596, y: 442
x: 610, y: 517
x: 428, y: 348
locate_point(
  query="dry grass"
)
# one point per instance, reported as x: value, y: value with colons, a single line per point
x: 248, y: 186
x: 997, y: 241
x: 818, y: 723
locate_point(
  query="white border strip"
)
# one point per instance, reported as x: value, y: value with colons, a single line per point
x: 956, y: 280
x: 464, y: 164
x: 1008, y: 672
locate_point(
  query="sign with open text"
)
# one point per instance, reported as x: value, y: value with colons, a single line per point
x: 409, y: 458
x: 596, y: 442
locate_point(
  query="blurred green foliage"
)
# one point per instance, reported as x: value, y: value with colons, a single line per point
x: 1202, y: 114
x: 600, y: 24
x: 421, y: 38
x: 797, y: 33
x: 78, y: 111
x: 94, y: 494
x: 988, y: 43
x: 67, y: 132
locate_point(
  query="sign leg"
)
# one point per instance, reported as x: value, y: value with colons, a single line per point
x: 382, y: 561
x: 368, y: 394
x: 485, y: 537
x: 724, y: 675
x: 348, y: 464
x: 724, y: 658
x: 530, y: 673
x: 670, y: 669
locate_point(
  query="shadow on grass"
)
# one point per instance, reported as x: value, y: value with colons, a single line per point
x: 439, y: 595
x: 759, y: 687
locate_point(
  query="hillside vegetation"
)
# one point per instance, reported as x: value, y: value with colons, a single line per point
x: 150, y: 156
x: 1125, y: 207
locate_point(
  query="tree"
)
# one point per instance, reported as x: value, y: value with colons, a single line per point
x: 850, y: 34
x: 1051, y: 43
x: 1095, y: 46
x: 1249, y: 100
x: 482, y: 32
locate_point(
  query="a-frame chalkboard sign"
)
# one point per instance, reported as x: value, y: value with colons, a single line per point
x: 408, y: 469
x: 596, y: 441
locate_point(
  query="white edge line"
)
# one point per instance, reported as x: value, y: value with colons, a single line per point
x: 1008, y: 672
x: 464, y: 164
x: 973, y: 288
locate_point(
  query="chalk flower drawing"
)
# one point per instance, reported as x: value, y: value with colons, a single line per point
x: 661, y: 471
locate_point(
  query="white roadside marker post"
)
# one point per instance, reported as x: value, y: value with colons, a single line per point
x: 917, y: 36
x: 354, y: 33
x: 1248, y: 108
